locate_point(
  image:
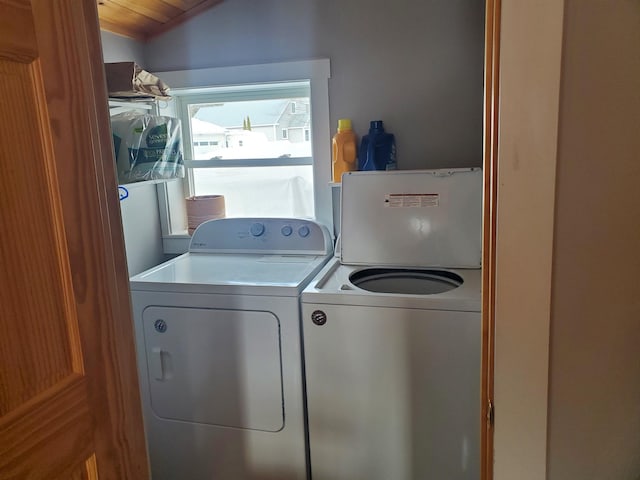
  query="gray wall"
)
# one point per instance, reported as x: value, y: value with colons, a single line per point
x: 594, y: 404
x: 140, y: 218
x: 121, y: 49
x: 418, y: 66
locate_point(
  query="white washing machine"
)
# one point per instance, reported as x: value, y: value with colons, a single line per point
x: 219, y: 351
x: 392, y: 331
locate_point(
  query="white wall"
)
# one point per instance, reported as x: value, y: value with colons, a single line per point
x: 141, y: 225
x: 589, y: 332
x: 594, y: 403
x: 530, y: 61
x: 140, y: 218
x: 417, y: 66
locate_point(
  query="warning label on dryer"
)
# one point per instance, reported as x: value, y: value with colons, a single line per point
x: 409, y: 200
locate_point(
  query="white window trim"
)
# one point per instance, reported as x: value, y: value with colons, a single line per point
x: 317, y: 72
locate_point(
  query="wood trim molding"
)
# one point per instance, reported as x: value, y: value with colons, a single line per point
x: 490, y: 155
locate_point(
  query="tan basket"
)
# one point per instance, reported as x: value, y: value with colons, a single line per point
x: 203, y: 208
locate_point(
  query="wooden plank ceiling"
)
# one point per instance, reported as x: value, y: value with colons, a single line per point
x: 144, y: 19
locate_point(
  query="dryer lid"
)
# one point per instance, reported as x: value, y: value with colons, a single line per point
x: 416, y: 218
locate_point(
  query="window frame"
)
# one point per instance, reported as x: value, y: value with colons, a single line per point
x: 185, y: 98
x: 317, y: 72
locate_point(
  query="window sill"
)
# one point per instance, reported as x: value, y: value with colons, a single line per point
x: 131, y: 185
x: 176, y: 244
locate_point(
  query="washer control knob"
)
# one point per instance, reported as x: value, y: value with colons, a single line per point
x: 257, y: 229
x: 304, y: 231
x: 286, y: 230
x: 319, y: 317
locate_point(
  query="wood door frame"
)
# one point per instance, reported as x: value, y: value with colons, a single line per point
x: 490, y: 169
x: 523, y: 84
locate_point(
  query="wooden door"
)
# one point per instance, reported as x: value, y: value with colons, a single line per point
x: 69, y: 401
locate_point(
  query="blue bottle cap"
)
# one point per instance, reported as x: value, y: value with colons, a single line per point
x: 376, y: 125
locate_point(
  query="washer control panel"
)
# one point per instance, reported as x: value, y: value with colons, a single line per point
x: 262, y: 235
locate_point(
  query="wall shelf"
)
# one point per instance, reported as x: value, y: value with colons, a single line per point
x: 117, y: 106
x: 133, y: 185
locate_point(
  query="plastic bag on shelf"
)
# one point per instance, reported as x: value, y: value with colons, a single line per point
x: 147, y: 147
x: 129, y: 80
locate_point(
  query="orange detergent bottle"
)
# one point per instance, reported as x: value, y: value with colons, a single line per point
x: 344, y: 150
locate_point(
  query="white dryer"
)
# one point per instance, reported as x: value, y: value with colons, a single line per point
x: 392, y: 331
x: 219, y: 351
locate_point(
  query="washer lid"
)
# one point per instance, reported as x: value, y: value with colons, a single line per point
x: 412, y: 218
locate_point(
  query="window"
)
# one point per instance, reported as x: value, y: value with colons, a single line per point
x: 230, y: 119
x: 241, y: 158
